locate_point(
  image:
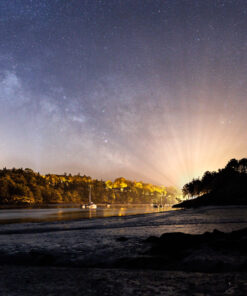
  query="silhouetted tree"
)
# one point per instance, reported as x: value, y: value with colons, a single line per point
x: 232, y: 164
x: 227, y: 186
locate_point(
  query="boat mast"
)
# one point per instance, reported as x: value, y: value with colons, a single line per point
x: 90, y: 186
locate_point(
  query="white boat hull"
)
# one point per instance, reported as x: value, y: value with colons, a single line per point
x: 89, y: 206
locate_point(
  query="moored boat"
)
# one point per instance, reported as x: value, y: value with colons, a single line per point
x: 90, y: 204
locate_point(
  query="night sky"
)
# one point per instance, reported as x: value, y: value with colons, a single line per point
x: 149, y: 90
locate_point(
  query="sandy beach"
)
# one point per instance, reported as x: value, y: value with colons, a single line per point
x: 80, y: 257
x: 23, y: 280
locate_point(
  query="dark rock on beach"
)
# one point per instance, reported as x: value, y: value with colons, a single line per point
x: 209, y: 252
x: 122, y: 239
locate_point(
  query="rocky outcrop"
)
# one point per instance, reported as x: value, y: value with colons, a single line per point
x: 209, y: 252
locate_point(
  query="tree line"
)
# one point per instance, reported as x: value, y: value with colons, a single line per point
x: 26, y: 187
x: 225, y: 186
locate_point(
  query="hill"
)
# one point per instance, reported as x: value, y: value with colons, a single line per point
x: 26, y: 187
x: 227, y: 186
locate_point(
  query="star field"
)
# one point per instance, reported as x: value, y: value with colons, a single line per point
x: 148, y: 90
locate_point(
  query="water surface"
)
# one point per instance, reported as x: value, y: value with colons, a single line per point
x: 73, y: 213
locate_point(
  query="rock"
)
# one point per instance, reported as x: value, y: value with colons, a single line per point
x: 121, y: 239
x: 209, y: 252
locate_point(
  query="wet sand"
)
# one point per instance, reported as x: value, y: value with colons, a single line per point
x: 21, y: 280
x: 63, y: 258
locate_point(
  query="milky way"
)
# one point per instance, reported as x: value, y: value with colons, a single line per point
x: 148, y: 90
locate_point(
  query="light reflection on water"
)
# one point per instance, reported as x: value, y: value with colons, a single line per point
x: 70, y: 213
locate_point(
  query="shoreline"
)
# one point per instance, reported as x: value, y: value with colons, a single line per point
x: 72, y: 213
x: 63, y: 205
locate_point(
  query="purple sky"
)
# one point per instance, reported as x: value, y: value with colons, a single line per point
x: 149, y: 90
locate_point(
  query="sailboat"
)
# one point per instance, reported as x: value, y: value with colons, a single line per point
x: 157, y: 205
x: 161, y: 202
x: 90, y: 204
x: 154, y: 204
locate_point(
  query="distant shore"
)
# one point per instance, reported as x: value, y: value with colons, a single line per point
x: 28, y: 188
x: 38, y: 206
x: 212, y: 199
